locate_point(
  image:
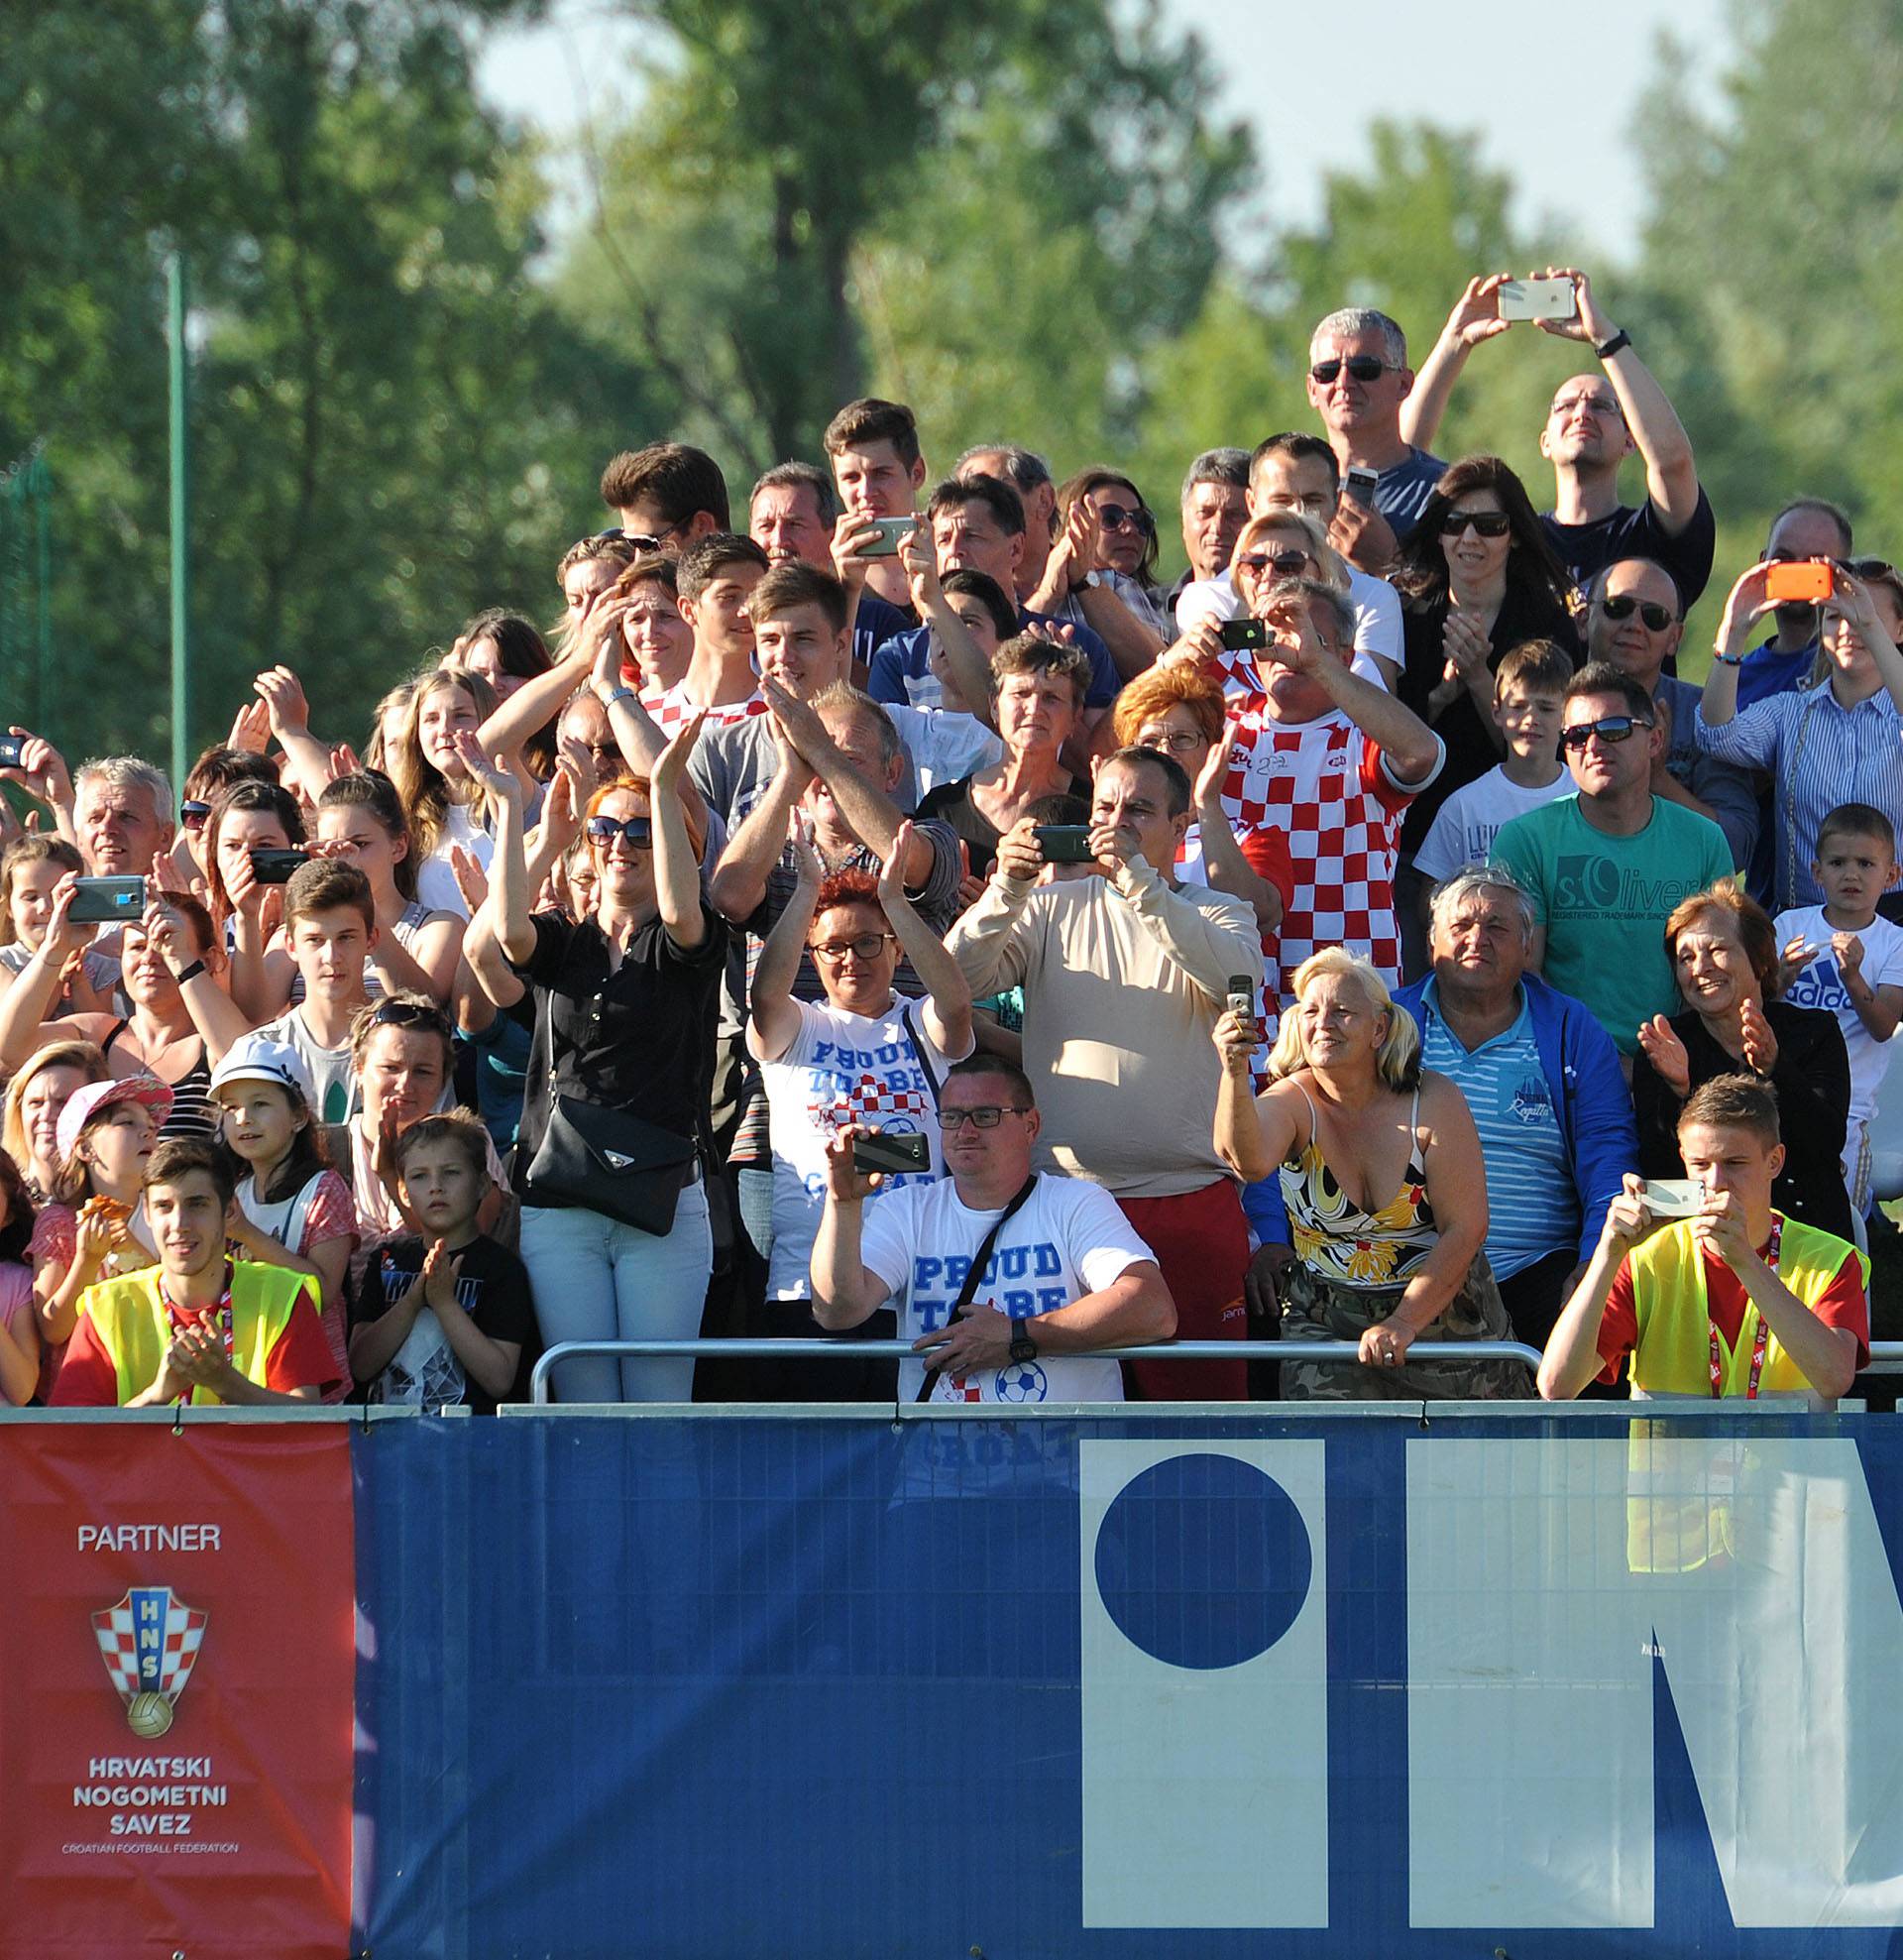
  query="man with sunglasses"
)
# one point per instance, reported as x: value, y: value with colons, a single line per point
x: 1064, y: 1271
x: 1358, y: 379
x: 1604, y: 866
x: 1595, y: 423
x: 666, y: 496
x: 1634, y: 619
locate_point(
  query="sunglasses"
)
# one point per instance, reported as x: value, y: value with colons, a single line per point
x: 987, y: 1116
x: 1609, y: 728
x: 1622, y: 606
x: 869, y: 946
x: 1488, y: 524
x: 642, y: 540
x: 1362, y: 367
x: 639, y: 831
x: 1115, y: 516
x: 192, y: 815
x: 408, y: 1014
x: 1286, y: 564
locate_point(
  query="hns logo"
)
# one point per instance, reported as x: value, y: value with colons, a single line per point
x: 150, y: 1644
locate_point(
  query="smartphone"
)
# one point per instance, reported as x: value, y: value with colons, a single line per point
x: 895, y: 1152
x: 1064, y: 844
x: 106, y: 901
x: 1807, y: 581
x: 1240, y: 635
x: 12, y: 747
x: 890, y: 531
x: 1360, y: 485
x: 1674, y: 1198
x: 1539, y: 300
x: 276, y: 866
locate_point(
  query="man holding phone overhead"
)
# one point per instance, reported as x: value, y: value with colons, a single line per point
x: 1124, y: 976
x: 1595, y: 423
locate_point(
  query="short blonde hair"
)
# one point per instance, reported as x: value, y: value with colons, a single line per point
x: 1334, y: 568
x: 1397, y: 1061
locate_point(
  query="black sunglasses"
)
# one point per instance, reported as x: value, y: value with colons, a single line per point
x: 1113, y: 516
x: 1288, y: 563
x: 1488, y: 524
x: 408, y: 1014
x: 639, y: 831
x: 1622, y: 606
x: 642, y: 540
x: 1609, y: 728
x: 193, y: 814
x: 1361, y: 367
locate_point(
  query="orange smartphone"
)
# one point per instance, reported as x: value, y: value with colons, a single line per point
x: 1807, y: 581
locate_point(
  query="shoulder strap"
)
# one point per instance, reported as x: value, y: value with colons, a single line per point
x: 925, y: 1060
x: 980, y: 1260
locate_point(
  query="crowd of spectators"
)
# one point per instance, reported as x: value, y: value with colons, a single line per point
x: 893, y: 907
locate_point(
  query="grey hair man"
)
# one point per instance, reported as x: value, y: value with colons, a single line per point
x: 121, y: 815
x: 1358, y: 378
x: 1544, y: 1081
x: 1215, y: 507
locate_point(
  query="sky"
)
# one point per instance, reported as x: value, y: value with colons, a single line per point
x: 1556, y: 104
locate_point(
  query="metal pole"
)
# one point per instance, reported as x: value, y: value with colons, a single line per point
x: 181, y: 521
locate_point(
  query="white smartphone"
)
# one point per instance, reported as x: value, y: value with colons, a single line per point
x: 1674, y: 1198
x: 1539, y: 300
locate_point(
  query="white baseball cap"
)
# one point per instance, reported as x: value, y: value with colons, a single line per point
x: 258, y: 1058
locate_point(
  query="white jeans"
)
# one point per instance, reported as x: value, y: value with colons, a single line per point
x: 597, y: 1280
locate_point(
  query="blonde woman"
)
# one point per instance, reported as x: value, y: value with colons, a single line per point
x: 1385, y: 1185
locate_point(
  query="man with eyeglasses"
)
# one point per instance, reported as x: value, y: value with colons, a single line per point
x: 1291, y: 471
x: 1358, y: 379
x: 1064, y: 1269
x: 1595, y: 423
x: 1124, y: 978
x: 1605, y: 868
x: 1634, y: 620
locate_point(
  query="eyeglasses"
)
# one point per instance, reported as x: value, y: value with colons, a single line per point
x: 1361, y: 367
x: 869, y: 946
x: 192, y: 815
x: 1622, y: 606
x: 408, y: 1014
x: 987, y: 1116
x: 1609, y: 728
x: 639, y: 831
x: 1488, y: 524
x: 1114, y: 517
x: 1179, y: 742
x: 1285, y: 564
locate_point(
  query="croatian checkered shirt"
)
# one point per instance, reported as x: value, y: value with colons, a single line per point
x: 1325, y: 787
x: 672, y: 707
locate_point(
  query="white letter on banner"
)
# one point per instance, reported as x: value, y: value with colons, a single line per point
x: 1540, y: 1572
x: 1205, y: 1683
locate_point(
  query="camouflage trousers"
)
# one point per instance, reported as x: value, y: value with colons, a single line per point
x: 1314, y: 1307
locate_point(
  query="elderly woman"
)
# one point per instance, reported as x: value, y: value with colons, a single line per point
x: 1385, y: 1186
x: 1722, y: 948
x: 1477, y: 576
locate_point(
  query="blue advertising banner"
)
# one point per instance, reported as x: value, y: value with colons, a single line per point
x: 1117, y: 1687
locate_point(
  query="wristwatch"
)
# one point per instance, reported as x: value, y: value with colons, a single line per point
x: 1605, y: 349
x: 1023, y: 1348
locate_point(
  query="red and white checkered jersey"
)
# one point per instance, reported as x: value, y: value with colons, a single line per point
x: 1321, y: 783
x: 669, y: 709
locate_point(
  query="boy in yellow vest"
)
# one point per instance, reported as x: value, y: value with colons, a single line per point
x: 197, y: 1326
x: 1734, y: 1300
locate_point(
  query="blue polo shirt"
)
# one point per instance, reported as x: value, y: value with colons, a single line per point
x: 1765, y: 671
x: 1532, y: 1208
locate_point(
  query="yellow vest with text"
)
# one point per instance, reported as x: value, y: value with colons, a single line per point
x: 132, y: 1326
x: 1673, y: 1354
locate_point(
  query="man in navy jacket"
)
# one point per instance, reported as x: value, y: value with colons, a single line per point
x: 1544, y: 1081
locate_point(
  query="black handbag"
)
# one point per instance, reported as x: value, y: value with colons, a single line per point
x: 607, y: 1161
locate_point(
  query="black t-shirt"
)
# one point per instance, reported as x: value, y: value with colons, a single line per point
x: 492, y: 1285
x: 637, y: 1039
x: 1639, y: 532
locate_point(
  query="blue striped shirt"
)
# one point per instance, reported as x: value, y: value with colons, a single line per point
x: 1532, y: 1204
x: 1822, y: 753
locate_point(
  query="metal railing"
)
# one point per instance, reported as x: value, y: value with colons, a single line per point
x: 888, y: 1350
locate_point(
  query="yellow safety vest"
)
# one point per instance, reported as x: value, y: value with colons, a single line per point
x: 131, y: 1323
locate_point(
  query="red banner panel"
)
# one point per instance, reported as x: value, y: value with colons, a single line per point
x: 176, y: 1674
